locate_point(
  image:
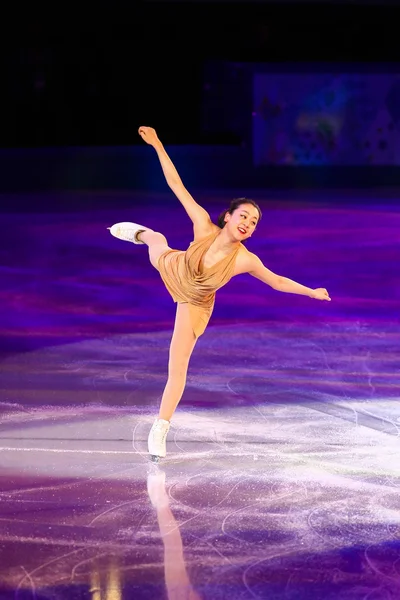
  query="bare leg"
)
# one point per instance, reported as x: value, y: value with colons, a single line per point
x: 156, y: 242
x: 181, y: 348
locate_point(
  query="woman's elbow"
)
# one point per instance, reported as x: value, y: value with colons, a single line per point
x: 278, y: 283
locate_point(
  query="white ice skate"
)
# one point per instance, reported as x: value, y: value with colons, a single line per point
x: 127, y: 231
x: 157, y: 440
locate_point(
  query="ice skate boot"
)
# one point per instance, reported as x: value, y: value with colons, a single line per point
x: 127, y: 231
x: 157, y: 440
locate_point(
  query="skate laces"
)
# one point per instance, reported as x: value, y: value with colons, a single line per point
x: 161, y: 430
x: 128, y: 234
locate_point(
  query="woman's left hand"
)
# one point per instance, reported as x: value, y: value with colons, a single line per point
x: 320, y: 294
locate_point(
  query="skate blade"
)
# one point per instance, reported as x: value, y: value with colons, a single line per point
x: 154, y: 458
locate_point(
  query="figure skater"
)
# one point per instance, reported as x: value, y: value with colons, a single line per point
x: 193, y: 276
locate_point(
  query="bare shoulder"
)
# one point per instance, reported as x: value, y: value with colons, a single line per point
x: 246, y: 261
x: 204, y: 230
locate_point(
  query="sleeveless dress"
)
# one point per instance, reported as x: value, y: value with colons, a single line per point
x: 189, y: 282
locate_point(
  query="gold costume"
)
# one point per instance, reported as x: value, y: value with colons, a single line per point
x: 187, y: 281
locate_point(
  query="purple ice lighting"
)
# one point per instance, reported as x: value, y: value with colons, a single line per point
x: 281, y: 479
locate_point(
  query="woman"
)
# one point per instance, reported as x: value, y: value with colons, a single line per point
x: 192, y: 277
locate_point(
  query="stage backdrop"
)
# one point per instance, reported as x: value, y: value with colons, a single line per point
x: 326, y: 119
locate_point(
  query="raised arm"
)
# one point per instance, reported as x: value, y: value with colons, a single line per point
x: 255, y: 267
x: 199, y: 217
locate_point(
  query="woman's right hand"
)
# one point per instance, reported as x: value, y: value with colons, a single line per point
x: 148, y: 134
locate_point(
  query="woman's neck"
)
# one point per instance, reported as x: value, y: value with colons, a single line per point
x: 224, y: 241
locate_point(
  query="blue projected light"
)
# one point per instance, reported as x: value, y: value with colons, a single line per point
x: 325, y: 119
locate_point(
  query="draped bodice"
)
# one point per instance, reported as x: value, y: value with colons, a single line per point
x: 188, y: 280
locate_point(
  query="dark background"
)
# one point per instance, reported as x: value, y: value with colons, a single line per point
x: 80, y: 77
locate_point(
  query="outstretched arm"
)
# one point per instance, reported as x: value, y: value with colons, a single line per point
x: 256, y: 268
x: 196, y: 213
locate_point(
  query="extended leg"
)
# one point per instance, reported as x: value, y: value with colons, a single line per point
x: 138, y: 234
x: 156, y: 242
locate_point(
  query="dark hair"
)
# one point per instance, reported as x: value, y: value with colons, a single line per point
x: 233, y: 206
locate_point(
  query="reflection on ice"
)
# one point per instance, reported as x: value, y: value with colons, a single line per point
x: 177, y: 579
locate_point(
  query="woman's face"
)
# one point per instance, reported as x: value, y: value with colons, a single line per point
x: 242, y: 222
